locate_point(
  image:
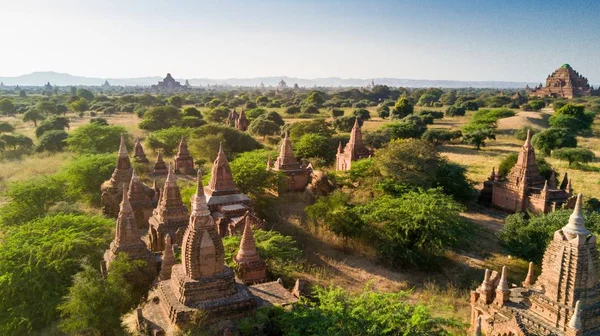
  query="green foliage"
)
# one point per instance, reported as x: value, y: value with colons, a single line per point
x: 167, y: 139
x: 217, y: 114
x: 415, y: 227
x: 427, y: 99
x: 334, y: 311
x: 46, y: 107
x: 377, y: 138
x: 402, y: 108
x: 310, y: 109
x: 85, y: 174
x: 383, y: 111
x: 521, y: 133
x: 455, y: 111
x: 94, y: 138
x: 315, y: 98
x: 52, y: 141
x: 205, y: 141
x: 408, y: 127
x: 337, y: 214
x: 176, y: 101
x: 16, y: 141
x: 336, y: 112
x: 477, y: 137
x: 37, y: 262
x: 80, y: 105
x: 250, y: 174
x: 161, y: 117
x: 191, y: 112
x: 31, y: 199
x: 510, y: 160
x: 573, y: 118
x: 7, y: 107
x: 313, y: 145
x: 255, y: 113
x: 316, y: 126
x: 345, y: 123
x: 573, y: 155
x: 280, y: 252
x: 470, y: 105
x: 94, y: 304
x: 536, y: 105
x: 439, y: 135
x: 262, y: 126
x: 6, y: 127
x: 52, y: 123
x: 292, y: 110
x: 362, y: 113
x: 85, y: 94
x: 553, y: 138
x: 275, y: 117
x: 33, y: 115
x: 527, y: 238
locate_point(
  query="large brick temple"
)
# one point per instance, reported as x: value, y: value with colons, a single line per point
x: 524, y: 188
x: 354, y: 149
x: 563, y: 82
x: 563, y: 301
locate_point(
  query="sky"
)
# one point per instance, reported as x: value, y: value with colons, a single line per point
x: 426, y: 39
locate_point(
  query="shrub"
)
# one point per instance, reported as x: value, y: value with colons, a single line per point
x: 292, y: 110
x: 161, y: 117
x: 52, y: 141
x: 454, y: 111
x: 574, y: 155
x: 553, y: 138
x: 362, y: 114
x: 310, y: 109
x: 336, y: 112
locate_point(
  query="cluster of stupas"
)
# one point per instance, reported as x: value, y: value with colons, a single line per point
x: 563, y: 301
x: 238, y: 120
x: 524, y: 188
x: 201, y: 281
x: 354, y: 150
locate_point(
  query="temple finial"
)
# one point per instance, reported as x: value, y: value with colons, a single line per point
x: 576, y: 224
x: 528, y: 139
x: 503, y: 284
x: 529, y: 278
x: 123, y: 147
x: 575, y: 321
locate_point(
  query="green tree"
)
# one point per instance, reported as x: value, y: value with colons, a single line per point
x: 439, y: 135
x: 52, y: 123
x: 217, y: 114
x: 408, y: 127
x: 85, y: 94
x: 249, y: 173
x: 553, y: 138
x: 362, y: 113
x: 573, y: 155
x: 52, y: 141
x: 313, y: 145
x: 402, y: 108
x: 161, y: 117
x: 345, y: 123
x: 455, y: 111
x: 176, y: 101
x: 167, y: 139
x: 5, y: 127
x: 37, y: 262
x: 94, y: 139
x: 81, y: 105
x: 16, y: 141
x: 292, y: 110
x: 336, y: 214
x: 275, y: 117
x: 315, y: 98
x: 316, y: 126
x: 191, y: 112
x: 33, y: 115
x: 94, y: 304
x: 263, y: 127
x: 81, y: 178
x: 46, y: 107
x: 536, y: 105
x: 383, y: 111
x: 205, y: 141
x: 416, y: 226
x: 477, y: 137
x: 427, y: 99
x: 572, y: 117
x: 7, y: 107
x: 255, y: 113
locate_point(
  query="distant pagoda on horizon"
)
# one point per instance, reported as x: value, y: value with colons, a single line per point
x: 563, y: 83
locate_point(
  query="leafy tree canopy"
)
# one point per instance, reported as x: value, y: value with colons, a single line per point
x: 94, y: 138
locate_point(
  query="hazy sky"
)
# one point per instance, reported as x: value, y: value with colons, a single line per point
x: 424, y: 39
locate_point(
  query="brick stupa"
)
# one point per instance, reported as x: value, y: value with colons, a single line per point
x: 226, y: 203
x: 169, y: 217
x: 140, y: 198
x: 564, y: 82
x: 111, y: 190
x: 524, y: 188
x: 563, y: 301
x: 242, y: 123
x: 354, y: 150
x: 232, y: 118
x: 138, y: 152
x: 296, y: 173
x: 160, y: 167
x: 184, y: 163
x: 127, y: 238
x: 252, y: 269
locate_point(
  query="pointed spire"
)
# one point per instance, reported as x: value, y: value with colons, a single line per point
x: 199, y: 207
x: 503, y: 284
x: 247, y: 245
x: 485, y: 285
x: 528, y: 139
x: 565, y: 182
x: 529, y: 279
x: 576, y: 225
x: 544, y: 191
x: 575, y: 321
x: 125, y: 205
x: 552, y: 180
x: 168, y: 259
x: 123, y: 147
x: 170, y: 177
x: 221, y: 180
x: 340, y: 147
x: 570, y: 187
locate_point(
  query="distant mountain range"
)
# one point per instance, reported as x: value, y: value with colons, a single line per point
x: 64, y: 79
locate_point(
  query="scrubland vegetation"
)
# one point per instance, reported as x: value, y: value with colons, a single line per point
x: 400, y: 232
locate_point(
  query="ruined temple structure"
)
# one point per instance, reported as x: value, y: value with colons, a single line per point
x: 226, y: 203
x: 138, y: 152
x: 242, y: 123
x: 168, y: 84
x: 160, y: 167
x: 127, y: 238
x: 169, y: 217
x: 563, y: 301
x: 297, y: 174
x: 184, y: 163
x: 232, y: 118
x: 140, y: 197
x: 111, y: 190
x: 354, y: 150
x: 252, y: 269
x: 564, y: 82
x: 202, y: 282
x: 524, y: 188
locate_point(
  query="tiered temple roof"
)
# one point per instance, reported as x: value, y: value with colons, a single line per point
x: 252, y: 269
x: 524, y: 188
x: 169, y: 217
x: 138, y: 152
x: 286, y: 162
x: 564, y: 82
x: 127, y: 238
x: 112, y: 189
x: 565, y: 298
x: 160, y: 167
x: 140, y: 198
x: 354, y: 149
x: 184, y: 163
